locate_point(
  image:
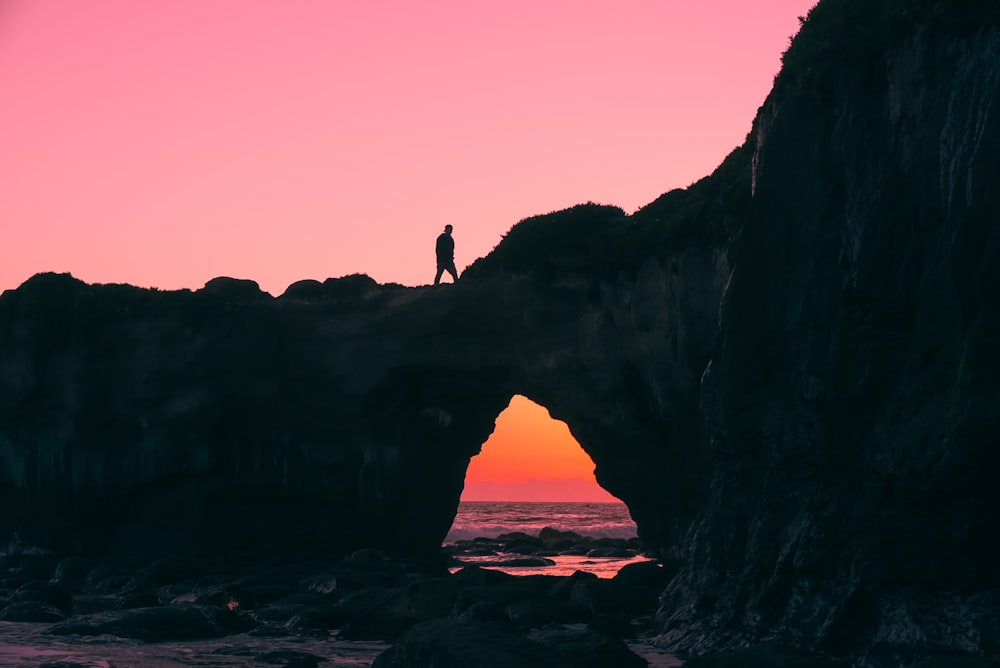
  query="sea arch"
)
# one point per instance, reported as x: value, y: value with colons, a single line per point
x: 337, y: 416
x: 531, y: 456
x: 430, y: 420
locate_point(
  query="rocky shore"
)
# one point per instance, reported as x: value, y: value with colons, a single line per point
x: 521, y: 550
x: 363, y: 609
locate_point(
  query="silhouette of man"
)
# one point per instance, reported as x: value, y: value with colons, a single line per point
x: 445, y: 249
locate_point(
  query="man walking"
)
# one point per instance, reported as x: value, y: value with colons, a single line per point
x: 445, y: 250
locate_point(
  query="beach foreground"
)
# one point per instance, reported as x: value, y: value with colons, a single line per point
x: 364, y: 609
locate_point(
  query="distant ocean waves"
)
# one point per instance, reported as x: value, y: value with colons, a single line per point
x: 489, y: 519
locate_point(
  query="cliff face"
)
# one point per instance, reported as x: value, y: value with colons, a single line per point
x: 339, y: 415
x: 853, y: 408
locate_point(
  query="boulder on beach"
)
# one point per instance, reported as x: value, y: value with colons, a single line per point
x: 420, y: 601
x: 229, y: 596
x: 771, y: 655
x: 560, y: 539
x: 613, y: 624
x: 644, y: 573
x: 537, y: 613
x: 45, y: 592
x: 564, y: 586
x: 611, y: 553
x: 502, y: 595
x: 609, y: 596
x: 300, y: 618
x: 31, y: 612
x: 451, y: 643
x: 587, y: 648
x: 477, y: 576
x: 320, y: 615
x: 513, y: 536
x: 142, y: 599
x: 70, y: 571
x: 289, y: 659
x: 181, y: 622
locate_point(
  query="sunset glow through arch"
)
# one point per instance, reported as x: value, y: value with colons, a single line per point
x: 531, y: 457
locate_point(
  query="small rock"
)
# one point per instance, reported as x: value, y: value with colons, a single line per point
x: 142, y: 599
x: 70, y: 572
x: 588, y: 649
x: 322, y: 583
x: 420, y: 601
x: 228, y: 596
x: 613, y: 624
x: 476, y: 576
x: 146, y: 624
x: 609, y: 596
x: 645, y: 573
x: 290, y: 659
x: 323, y: 617
x: 364, y: 558
x: 452, y: 643
x: 502, y: 595
x: 97, y: 578
x: 45, y: 592
x: 512, y: 536
x: 36, y: 566
x: 565, y: 585
x: 32, y: 612
x: 539, y: 613
x: 280, y: 613
x: 610, y: 553
x: 766, y: 655
x: 554, y: 538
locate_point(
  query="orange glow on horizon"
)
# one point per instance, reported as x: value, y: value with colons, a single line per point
x: 531, y: 456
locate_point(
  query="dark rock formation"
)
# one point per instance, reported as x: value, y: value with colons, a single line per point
x: 225, y: 422
x: 853, y: 406
x: 794, y: 388
x: 451, y: 643
x: 586, y: 648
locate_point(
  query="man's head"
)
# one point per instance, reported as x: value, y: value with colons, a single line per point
x: 447, y: 228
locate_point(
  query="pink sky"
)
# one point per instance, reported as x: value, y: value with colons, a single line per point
x: 166, y: 142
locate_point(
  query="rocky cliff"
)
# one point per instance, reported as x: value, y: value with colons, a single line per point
x: 853, y: 407
x: 788, y: 371
x: 339, y: 415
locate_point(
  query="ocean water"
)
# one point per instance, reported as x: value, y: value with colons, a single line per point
x: 489, y: 519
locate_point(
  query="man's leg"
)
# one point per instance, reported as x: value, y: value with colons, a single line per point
x: 453, y: 272
x: 437, y: 276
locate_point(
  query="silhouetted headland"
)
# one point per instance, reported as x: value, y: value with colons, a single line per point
x: 788, y: 371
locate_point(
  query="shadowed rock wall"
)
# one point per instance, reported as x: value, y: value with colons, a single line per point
x: 853, y: 407
x: 340, y: 415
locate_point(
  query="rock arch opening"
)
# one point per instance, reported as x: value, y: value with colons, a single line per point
x: 531, y: 456
x: 531, y: 502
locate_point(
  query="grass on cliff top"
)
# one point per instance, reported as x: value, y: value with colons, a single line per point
x: 599, y: 240
x: 61, y: 304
